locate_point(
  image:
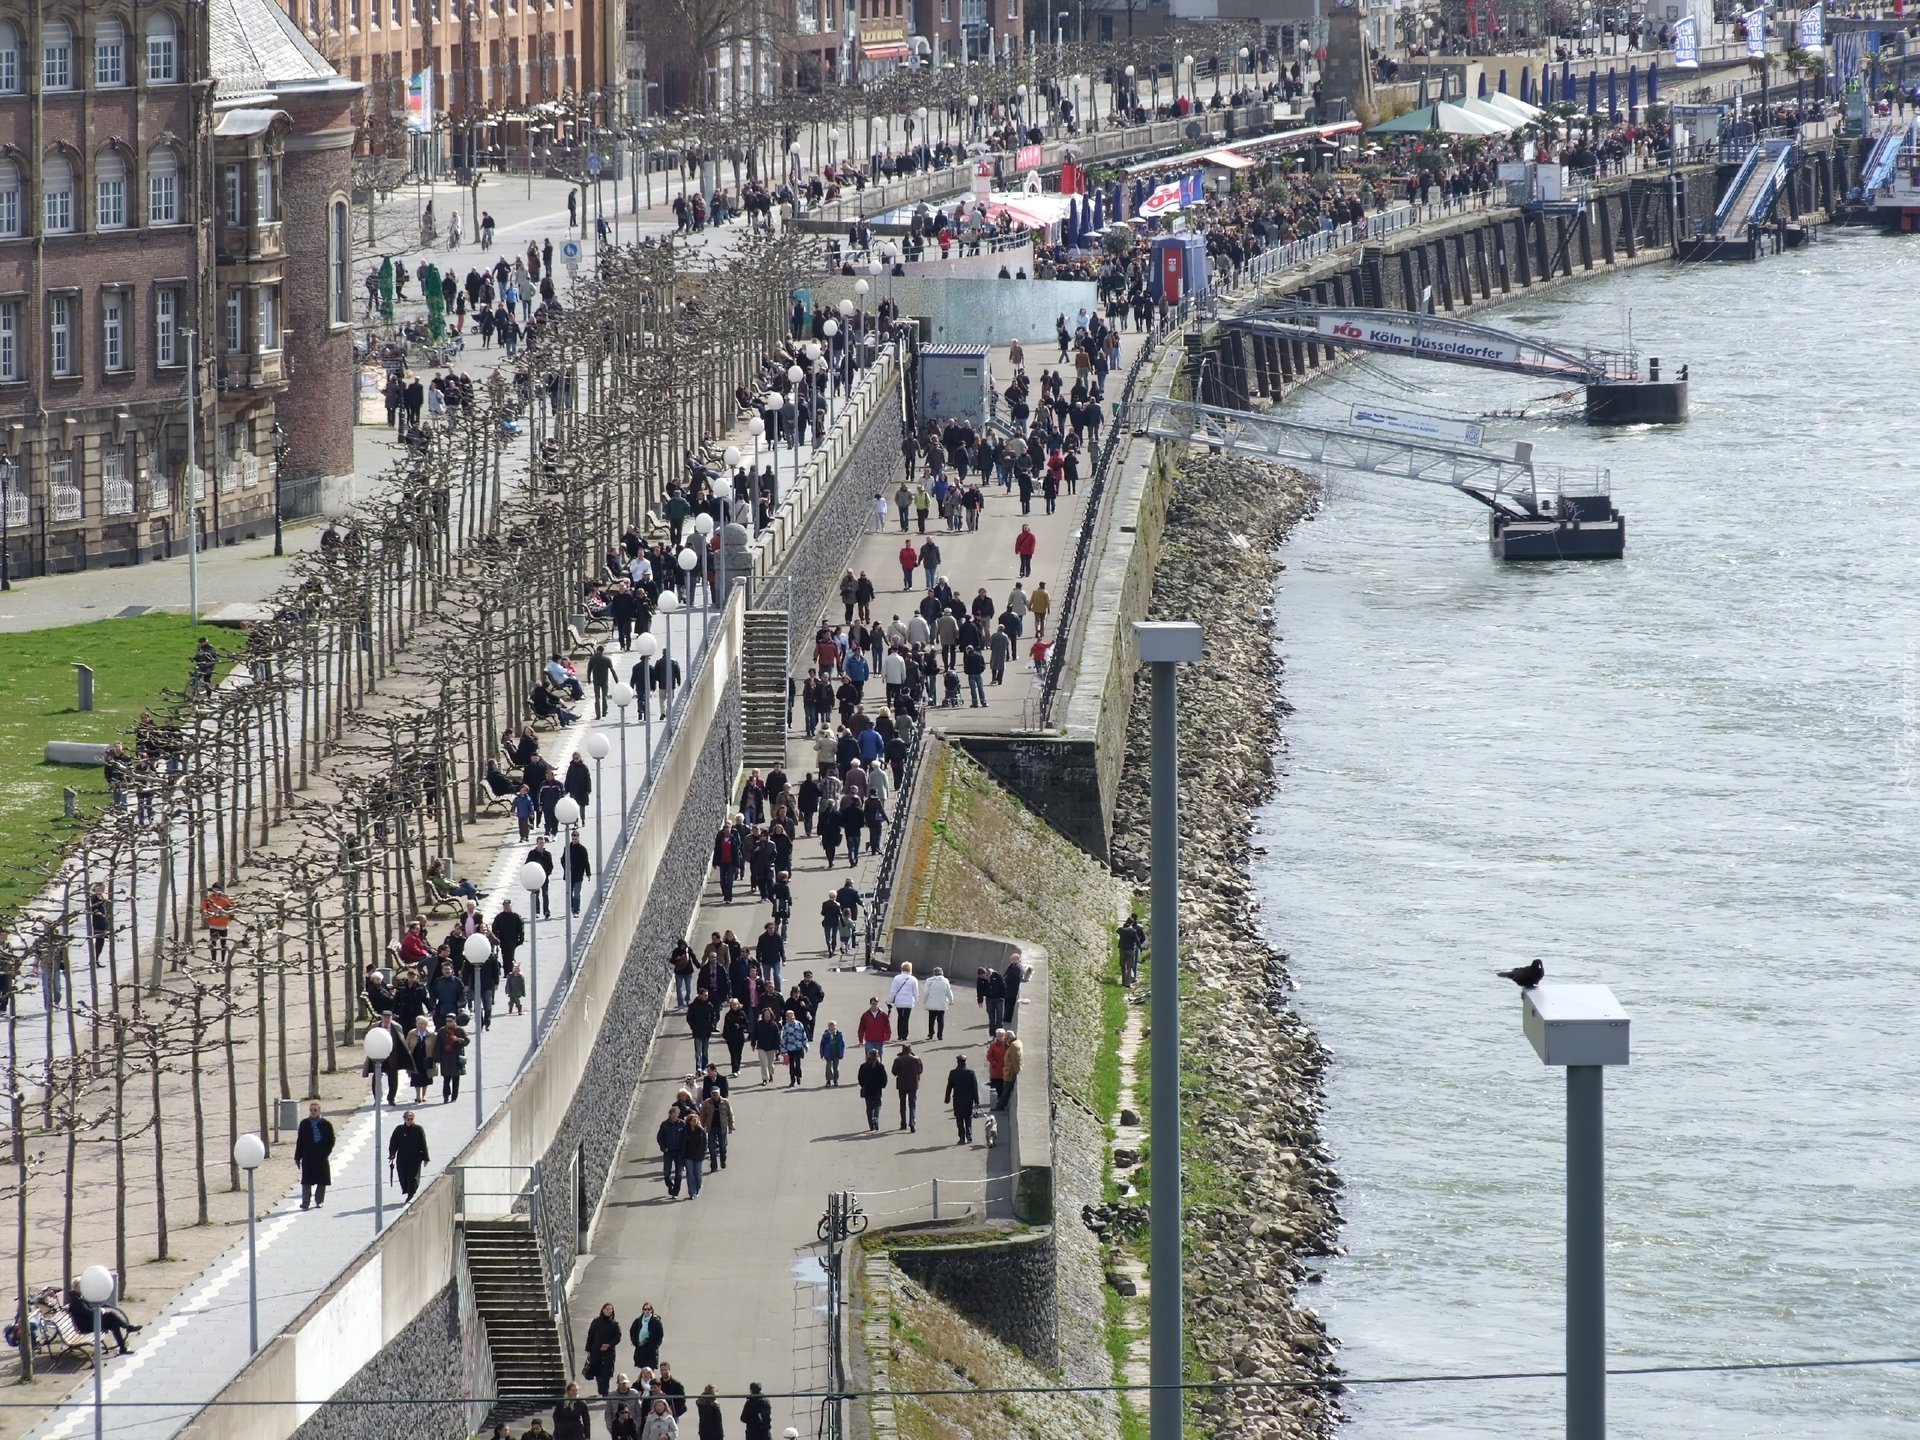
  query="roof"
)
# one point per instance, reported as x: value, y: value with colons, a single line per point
x: 256, y: 49
x: 246, y: 122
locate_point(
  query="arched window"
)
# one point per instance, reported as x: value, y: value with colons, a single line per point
x: 56, y: 192
x: 163, y: 51
x: 110, y: 192
x: 9, y: 58
x: 340, y: 263
x: 9, y: 200
x: 56, y: 56
x: 163, y: 188
x: 109, y: 54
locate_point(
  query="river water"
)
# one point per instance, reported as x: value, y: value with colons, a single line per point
x: 1687, y: 775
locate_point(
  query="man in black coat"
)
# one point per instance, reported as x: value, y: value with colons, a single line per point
x: 509, y: 933
x: 702, y: 1016
x: 310, y: 1151
x: 449, y: 995
x: 963, y: 1093
x: 407, y: 1153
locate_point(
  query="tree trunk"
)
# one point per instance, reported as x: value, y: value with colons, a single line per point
x: 19, y: 1122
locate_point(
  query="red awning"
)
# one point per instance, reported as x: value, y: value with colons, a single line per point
x: 885, y: 52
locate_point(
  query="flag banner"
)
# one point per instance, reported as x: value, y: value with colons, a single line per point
x: 1756, y: 32
x: 1686, y: 43
x: 420, y: 100
x: 1813, y: 27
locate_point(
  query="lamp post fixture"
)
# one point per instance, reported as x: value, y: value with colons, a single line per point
x: 1583, y: 1028
x: 794, y: 376
x: 1163, y: 645
x: 567, y: 811
x: 96, y: 1288
x: 1133, y: 93
x: 248, y: 1152
x: 700, y: 549
x: 532, y: 878
x: 648, y: 648
x: 1186, y: 62
x: 756, y: 427
x: 848, y: 308
x: 622, y: 698
x: 597, y: 745
x: 378, y: 1045
x: 7, y: 471
x: 669, y: 602
x: 730, y: 457
x: 477, y: 950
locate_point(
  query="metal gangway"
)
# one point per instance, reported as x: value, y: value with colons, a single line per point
x: 1756, y: 186
x: 1877, y: 175
x: 1439, y: 337
x: 1509, y: 484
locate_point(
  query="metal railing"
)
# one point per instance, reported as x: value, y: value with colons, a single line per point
x: 880, y: 898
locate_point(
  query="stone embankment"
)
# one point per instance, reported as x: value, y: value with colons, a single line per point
x: 1261, y: 1193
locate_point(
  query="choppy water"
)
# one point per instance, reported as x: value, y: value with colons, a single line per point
x: 1688, y: 775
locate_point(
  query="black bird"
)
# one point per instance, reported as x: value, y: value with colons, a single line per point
x: 1526, y: 977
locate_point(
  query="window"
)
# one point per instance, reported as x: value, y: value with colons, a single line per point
x: 340, y: 266
x: 1013, y: 9
x: 267, y: 332
x: 109, y: 55
x: 236, y: 321
x: 56, y: 193
x: 60, y: 334
x: 313, y: 15
x: 943, y: 10
x: 234, y: 187
x: 163, y: 188
x: 56, y: 56
x: 9, y: 199
x: 9, y: 342
x: 113, y: 329
x: 159, y: 489
x: 394, y: 11
x: 66, y: 494
x: 162, y: 50
x: 110, y: 193
x: 263, y: 190
x: 166, y: 326
x: 116, y: 490
x: 9, y: 58
x: 353, y: 13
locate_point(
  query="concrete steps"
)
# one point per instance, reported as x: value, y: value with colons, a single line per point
x: 764, y: 664
x: 503, y: 1258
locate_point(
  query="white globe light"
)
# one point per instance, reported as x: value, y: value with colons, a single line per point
x: 813, y: 349
x: 795, y: 374
x: 1244, y: 52
x: 476, y: 948
x: 1021, y: 91
x: 532, y: 876
x: 688, y: 559
x: 248, y: 1152
x: 921, y: 112
x: 830, y: 329
x: 623, y: 692
x: 378, y: 1044
x: 703, y: 522
x: 1186, y: 60
x: 873, y: 268
x: 756, y: 427
x: 96, y: 1283
x: 732, y: 457
x: 648, y: 648
x: 567, y: 810
x: 1129, y: 72
x: 596, y: 745
x: 669, y: 603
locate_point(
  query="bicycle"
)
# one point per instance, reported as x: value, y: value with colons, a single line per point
x: 853, y: 1220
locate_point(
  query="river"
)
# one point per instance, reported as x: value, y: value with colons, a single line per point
x: 1687, y: 775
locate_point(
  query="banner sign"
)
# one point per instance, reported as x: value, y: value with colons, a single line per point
x: 1415, y: 426
x: 1173, y: 196
x: 1686, y: 43
x: 1026, y: 157
x: 420, y: 100
x: 1813, y: 27
x: 1756, y: 32
x: 1419, y: 340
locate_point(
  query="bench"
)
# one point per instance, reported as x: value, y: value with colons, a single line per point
x: 442, y: 896
x: 577, y: 644
x: 60, y: 1337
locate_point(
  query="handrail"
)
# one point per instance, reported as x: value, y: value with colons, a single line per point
x: 879, y: 898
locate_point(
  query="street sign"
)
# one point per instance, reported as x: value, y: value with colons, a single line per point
x: 570, y: 251
x: 593, y: 166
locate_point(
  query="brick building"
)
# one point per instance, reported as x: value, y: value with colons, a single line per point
x: 143, y: 215
x: 977, y: 30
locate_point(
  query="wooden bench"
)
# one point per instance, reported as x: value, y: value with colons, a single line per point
x: 63, y: 1339
x: 577, y: 644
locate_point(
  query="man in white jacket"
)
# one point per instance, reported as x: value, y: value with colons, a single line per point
x: 902, y: 996
x: 935, y: 996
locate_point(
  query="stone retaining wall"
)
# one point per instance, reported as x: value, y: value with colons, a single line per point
x: 423, y: 1363
x: 1001, y: 1281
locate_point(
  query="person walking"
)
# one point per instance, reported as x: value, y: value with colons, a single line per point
x: 217, y: 910
x: 874, y: 1029
x: 716, y: 1117
x: 702, y: 1016
x: 603, y: 1348
x: 902, y: 995
x: 707, y: 1408
x: 833, y: 1049
x: 450, y: 1049
x: 660, y: 1422
x: 1024, y: 545
x: 571, y: 1418
x: 1009, y: 1069
x: 600, y: 675
x: 757, y: 1414
x: 766, y: 1043
x: 407, y: 1154
x: 1038, y: 604
x: 793, y: 1046
x: 906, y: 1080
x: 733, y: 1033
x: 646, y: 1335
x: 872, y: 1081
x: 963, y: 1094
x: 1133, y: 939
x: 935, y: 996
x: 579, y: 867
x: 311, y: 1149
x: 667, y: 1139
x: 693, y: 1153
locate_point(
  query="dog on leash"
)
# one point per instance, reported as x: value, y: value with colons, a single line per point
x: 993, y: 1131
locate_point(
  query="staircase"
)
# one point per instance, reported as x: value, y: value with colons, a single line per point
x: 763, y: 690
x: 1367, y: 277
x: 503, y: 1257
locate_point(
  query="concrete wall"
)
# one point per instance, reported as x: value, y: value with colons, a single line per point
x: 421, y: 1363
x: 977, y: 312
x: 1002, y: 1282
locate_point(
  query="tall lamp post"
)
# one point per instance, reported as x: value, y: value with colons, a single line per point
x: 1583, y: 1028
x: 477, y: 949
x: 7, y: 471
x: 248, y: 1152
x: 567, y: 811
x: 1163, y: 644
x: 623, y: 697
x: 597, y: 745
x: 532, y: 879
x: 669, y: 602
x: 378, y: 1045
x: 96, y: 1288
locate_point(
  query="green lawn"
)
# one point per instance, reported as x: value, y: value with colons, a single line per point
x: 133, y: 660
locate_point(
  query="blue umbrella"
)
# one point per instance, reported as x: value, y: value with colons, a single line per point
x: 1566, y: 80
x: 1483, y: 84
x: 1503, y: 82
x: 1653, y: 84
x: 1139, y: 195
x: 1593, y: 92
x: 1073, y: 222
x: 1633, y: 88
x: 1113, y: 203
x: 1524, y: 82
x: 1613, y: 94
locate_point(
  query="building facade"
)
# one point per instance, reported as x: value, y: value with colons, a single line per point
x: 143, y: 224
x: 982, y: 31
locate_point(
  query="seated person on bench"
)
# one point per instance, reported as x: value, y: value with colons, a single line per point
x: 547, y: 706
x: 442, y: 884
x: 560, y: 675
x: 498, y: 782
x: 520, y: 749
x: 114, y: 1324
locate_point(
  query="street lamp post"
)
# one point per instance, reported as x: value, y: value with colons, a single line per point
x: 378, y: 1045
x: 567, y: 811
x: 7, y: 471
x: 193, y: 500
x: 532, y: 879
x: 1583, y: 1028
x: 648, y: 648
x: 756, y: 427
x: 622, y: 698
x: 669, y: 602
x: 597, y: 746
x: 1163, y: 645
x: 477, y: 950
x: 248, y: 1152
x: 96, y: 1288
